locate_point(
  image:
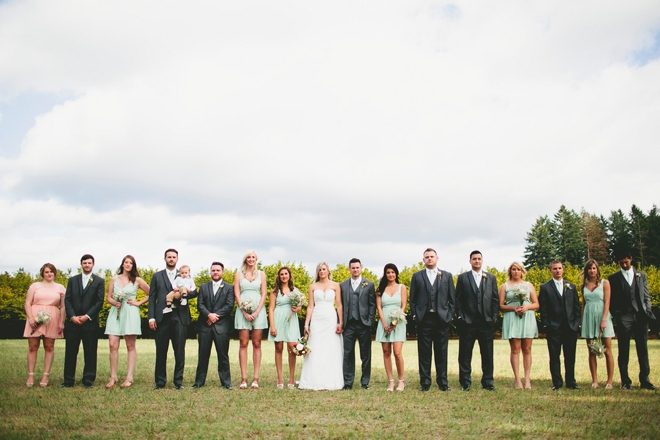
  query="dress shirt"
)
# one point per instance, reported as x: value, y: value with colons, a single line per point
x: 628, y: 275
x: 432, y: 274
x: 560, y: 286
x: 477, y: 278
x: 356, y: 283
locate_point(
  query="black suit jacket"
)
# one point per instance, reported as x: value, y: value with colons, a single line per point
x: 620, y: 301
x: 88, y: 300
x: 366, y: 300
x: 158, y: 290
x: 552, y: 306
x: 443, y: 289
x: 467, y: 297
x: 222, y: 304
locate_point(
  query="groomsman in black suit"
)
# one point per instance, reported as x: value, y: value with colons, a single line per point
x: 215, y: 302
x: 630, y: 306
x: 83, y: 300
x: 432, y: 301
x: 477, y: 305
x: 561, y: 316
x: 358, y: 297
x: 169, y: 326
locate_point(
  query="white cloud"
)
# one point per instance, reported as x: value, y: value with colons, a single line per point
x: 316, y: 132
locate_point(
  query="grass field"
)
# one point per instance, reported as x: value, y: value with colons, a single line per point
x: 213, y: 412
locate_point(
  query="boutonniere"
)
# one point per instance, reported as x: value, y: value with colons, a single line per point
x: 484, y: 276
x: 439, y: 275
x: 364, y: 284
x: 567, y: 286
x: 637, y: 275
x: 89, y: 281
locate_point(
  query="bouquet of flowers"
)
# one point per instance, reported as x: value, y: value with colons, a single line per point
x: 297, y: 299
x: 248, y: 307
x: 120, y: 297
x: 396, y: 316
x: 301, y: 348
x: 596, y: 346
x: 520, y: 294
x: 43, y: 317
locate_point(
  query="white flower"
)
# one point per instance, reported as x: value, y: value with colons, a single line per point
x: 299, y: 347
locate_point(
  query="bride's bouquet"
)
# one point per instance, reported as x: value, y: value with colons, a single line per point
x: 520, y: 294
x: 596, y: 346
x: 396, y: 316
x: 120, y: 297
x: 301, y: 348
x: 43, y: 317
x: 297, y: 299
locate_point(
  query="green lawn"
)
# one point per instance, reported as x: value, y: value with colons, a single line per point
x: 212, y: 412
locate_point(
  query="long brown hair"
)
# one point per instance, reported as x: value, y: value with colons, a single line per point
x: 133, y: 274
x: 278, y: 282
x: 585, y: 272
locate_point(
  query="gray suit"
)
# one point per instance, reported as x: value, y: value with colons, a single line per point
x: 360, y: 304
x: 221, y: 303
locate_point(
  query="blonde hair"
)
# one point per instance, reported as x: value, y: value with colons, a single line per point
x: 318, y: 269
x: 518, y: 266
x: 244, y: 264
x: 185, y: 267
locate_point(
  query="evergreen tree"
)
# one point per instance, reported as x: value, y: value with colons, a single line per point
x: 639, y: 233
x: 539, y: 250
x: 567, y: 236
x: 618, y: 233
x: 595, y: 238
x: 653, y: 237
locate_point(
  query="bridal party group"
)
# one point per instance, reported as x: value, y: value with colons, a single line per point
x: 339, y: 317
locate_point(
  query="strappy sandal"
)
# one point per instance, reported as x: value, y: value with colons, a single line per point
x: 391, y: 386
x: 608, y: 386
x: 280, y: 386
x: 243, y: 385
x: 127, y: 383
x: 111, y: 384
x: 28, y: 383
x: 402, y: 385
x: 255, y: 384
x: 42, y: 383
x: 291, y: 386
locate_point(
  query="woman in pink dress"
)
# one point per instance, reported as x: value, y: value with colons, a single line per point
x: 43, y: 303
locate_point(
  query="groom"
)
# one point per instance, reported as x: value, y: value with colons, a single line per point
x: 432, y: 300
x: 83, y: 301
x: 215, y: 303
x: 358, y: 299
x: 169, y: 326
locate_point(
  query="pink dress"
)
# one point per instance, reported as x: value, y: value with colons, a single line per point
x: 46, y: 298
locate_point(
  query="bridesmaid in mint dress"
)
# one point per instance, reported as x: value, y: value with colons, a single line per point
x: 596, y: 318
x: 519, y: 323
x: 124, y: 317
x: 284, y: 326
x: 250, y: 285
x: 391, y: 296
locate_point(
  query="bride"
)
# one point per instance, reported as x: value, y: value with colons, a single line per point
x: 322, y: 367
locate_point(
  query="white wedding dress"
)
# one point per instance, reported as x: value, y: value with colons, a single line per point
x: 322, y: 368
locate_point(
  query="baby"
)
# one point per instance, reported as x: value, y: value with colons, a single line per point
x: 182, y: 284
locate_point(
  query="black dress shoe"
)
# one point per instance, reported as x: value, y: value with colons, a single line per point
x: 489, y: 388
x: 347, y: 387
x: 444, y: 388
x: 66, y: 385
x: 648, y: 386
x: 227, y: 387
x: 196, y: 386
x: 88, y: 386
x: 573, y: 387
x: 555, y: 388
x: 365, y: 386
x: 424, y: 388
x: 178, y: 387
x: 158, y: 387
x: 626, y: 386
x: 467, y: 388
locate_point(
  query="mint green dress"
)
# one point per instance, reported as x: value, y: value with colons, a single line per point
x: 593, y: 314
x: 389, y: 303
x: 515, y: 327
x: 288, y: 330
x: 129, y: 322
x: 250, y: 290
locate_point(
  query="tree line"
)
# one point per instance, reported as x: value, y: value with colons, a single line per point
x: 574, y: 237
x: 14, y: 286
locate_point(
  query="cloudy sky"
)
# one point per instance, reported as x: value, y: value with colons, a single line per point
x: 317, y: 131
